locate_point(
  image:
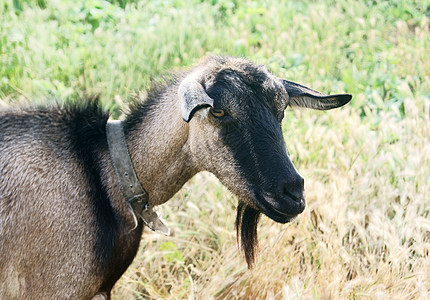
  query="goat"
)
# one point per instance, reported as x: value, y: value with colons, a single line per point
x: 66, y: 231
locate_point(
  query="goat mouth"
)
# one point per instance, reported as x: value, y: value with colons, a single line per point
x: 267, y: 207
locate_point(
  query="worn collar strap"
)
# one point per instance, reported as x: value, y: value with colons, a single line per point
x: 132, y: 190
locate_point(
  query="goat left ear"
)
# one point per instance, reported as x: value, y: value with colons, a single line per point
x: 302, y: 96
x: 193, y: 97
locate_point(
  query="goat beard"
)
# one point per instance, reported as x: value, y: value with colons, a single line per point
x: 246, y: 227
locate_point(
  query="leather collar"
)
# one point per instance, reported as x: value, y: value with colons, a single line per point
x: 135, y: 195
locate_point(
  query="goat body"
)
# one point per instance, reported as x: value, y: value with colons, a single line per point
x: 62, y: 234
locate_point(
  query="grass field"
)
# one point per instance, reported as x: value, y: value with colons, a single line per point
x: 365, y: 233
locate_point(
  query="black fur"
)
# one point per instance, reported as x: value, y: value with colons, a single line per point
x: 246, y: 227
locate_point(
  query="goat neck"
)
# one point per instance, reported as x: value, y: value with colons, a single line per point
x: 159, y: 147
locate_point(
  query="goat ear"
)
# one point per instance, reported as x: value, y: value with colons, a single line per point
x: 193, y: 97
x: 302, y: 96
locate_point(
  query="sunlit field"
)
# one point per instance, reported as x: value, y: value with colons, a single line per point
x: 365, y: 233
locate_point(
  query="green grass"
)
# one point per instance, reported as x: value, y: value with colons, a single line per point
x: 365, y: 233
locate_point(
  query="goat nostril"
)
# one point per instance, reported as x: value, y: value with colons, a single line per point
x: 294, y: 191
x: 285, y: 190
x: 296, y: 199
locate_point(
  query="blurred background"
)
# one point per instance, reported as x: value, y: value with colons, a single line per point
x: 365, y: 233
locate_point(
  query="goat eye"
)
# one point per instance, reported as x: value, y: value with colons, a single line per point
x: 217, y: 112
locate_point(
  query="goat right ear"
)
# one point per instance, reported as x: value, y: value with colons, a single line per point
x: 193, y: 97
x: 302, y: 96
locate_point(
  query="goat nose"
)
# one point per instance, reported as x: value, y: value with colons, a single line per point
x: 294, y: 189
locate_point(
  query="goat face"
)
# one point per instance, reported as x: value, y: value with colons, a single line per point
x: 247, y: 151
x: 236, y: 134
